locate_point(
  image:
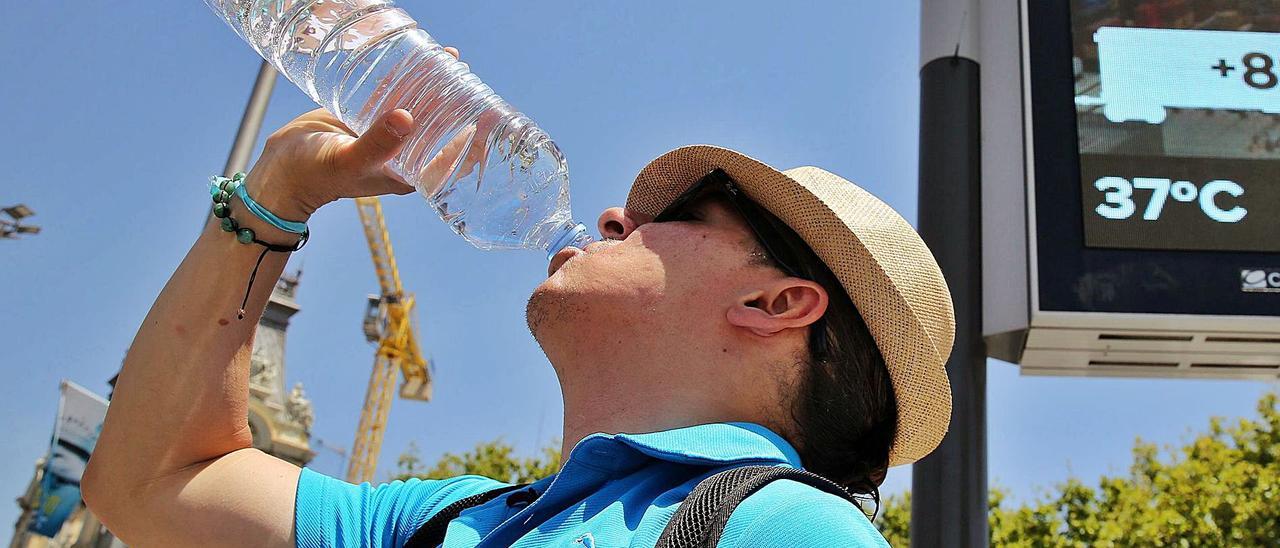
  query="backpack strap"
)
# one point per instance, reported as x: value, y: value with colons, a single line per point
x: 701, y: 518
x: 431, y: 534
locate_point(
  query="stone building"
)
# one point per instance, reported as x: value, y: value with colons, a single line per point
x: 280, y: 419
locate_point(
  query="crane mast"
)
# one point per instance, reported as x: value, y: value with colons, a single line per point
x: 390, y: 324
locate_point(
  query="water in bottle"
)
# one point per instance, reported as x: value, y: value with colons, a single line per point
x: 488, y: 170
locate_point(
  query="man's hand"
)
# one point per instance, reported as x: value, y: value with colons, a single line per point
x: 316, y: 159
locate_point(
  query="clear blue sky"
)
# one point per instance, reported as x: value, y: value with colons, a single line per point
x: 117, y: 115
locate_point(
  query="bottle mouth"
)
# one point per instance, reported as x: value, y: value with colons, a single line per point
x: 570, y: 234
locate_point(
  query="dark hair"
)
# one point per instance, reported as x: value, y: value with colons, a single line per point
x: 844, y: 410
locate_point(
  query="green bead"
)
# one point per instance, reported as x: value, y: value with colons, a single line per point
x: 214, y: 190
x: 245, y: 235
x: 221, y: 197
x: 221, y: 211
x: 225, y: 185
x: 229, y: 224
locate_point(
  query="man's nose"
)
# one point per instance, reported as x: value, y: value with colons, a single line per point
x: 617, y: 223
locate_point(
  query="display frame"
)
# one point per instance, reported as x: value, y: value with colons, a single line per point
x: 1069, y: 277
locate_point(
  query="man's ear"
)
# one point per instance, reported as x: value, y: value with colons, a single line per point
x: 785, y: 303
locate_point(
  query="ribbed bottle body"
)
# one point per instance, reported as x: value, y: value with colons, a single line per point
x: 488, y: 170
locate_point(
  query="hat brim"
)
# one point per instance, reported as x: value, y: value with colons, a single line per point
x: 886, y: 269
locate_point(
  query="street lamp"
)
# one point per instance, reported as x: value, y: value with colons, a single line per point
x: 11, y: 229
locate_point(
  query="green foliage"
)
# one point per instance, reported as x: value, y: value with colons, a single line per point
x: 1221, y: 489
x: 894, y: 520
x: 494, y: 459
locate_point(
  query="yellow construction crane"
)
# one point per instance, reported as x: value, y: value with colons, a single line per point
x: 388, y: 322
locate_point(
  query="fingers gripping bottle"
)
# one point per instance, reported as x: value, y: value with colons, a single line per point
x: 488, y: 170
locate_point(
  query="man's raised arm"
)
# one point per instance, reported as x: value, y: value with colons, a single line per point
x: 174, y: 465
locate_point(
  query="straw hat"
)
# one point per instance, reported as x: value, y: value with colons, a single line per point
x: 883, y: 264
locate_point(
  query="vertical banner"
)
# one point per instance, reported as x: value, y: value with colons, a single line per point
x: 80, y: 415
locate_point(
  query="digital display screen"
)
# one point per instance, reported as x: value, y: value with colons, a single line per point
x: 1155, y: 179
x: 1178, y: 123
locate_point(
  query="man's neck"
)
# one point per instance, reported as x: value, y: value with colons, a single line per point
x: 602, y: 412
x: 622, y: 386
x: 633, y: 397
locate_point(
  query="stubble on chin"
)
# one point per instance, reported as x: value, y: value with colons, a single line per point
x: 549, y: 312
x: 544, y: 305
x: 535, y: 311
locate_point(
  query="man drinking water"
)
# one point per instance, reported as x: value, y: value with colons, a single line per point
x: 737, y: 324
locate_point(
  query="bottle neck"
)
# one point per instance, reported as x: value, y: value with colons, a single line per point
x: 571, y: 233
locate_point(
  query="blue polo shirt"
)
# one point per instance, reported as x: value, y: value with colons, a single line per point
x: 613, y: 490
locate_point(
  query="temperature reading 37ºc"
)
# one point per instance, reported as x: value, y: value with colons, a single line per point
x: 1121, y: 201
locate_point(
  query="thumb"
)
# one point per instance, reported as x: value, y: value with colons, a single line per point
x: 381, y: 142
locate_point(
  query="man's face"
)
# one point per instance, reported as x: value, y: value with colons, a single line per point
x: 665, y: 285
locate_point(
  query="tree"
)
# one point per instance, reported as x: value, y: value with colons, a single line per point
x: 494, y: 459
x: 1221, y: 489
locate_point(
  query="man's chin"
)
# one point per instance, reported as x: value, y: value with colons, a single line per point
x: 558, y: 307
x: 539, y: 311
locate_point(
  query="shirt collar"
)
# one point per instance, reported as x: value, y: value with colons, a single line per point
x: 704, y: 444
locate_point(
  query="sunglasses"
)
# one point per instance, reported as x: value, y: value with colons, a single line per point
x: 761, y: 223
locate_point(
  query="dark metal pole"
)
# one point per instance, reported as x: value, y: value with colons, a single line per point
x: 251, y: 123
x: 949, y: 487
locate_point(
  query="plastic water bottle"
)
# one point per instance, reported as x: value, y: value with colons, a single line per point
x: 509, y: 187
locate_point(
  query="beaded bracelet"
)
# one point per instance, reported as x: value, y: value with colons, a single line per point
x: 222, y: 189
